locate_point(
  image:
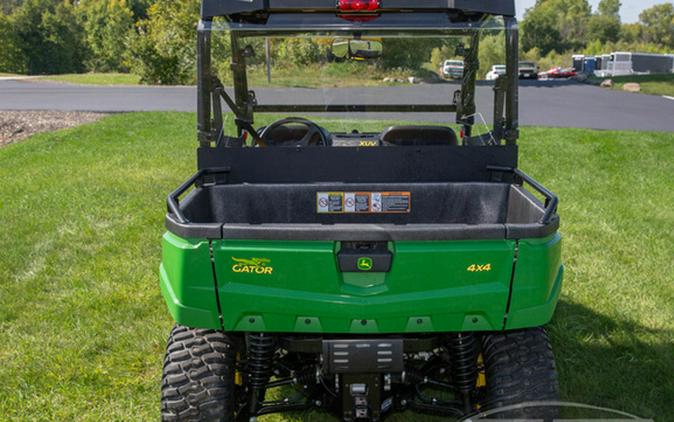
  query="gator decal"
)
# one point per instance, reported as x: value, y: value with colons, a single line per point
x: 252, y: 265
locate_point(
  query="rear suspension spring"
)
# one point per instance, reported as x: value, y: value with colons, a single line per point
x: 463, y: 358
x: 260, y: 352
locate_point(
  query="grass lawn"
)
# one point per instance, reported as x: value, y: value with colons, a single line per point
x: 83, y: 324
x: 95, y: 78
x: 650, y: 84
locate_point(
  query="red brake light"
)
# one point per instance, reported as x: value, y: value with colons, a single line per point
x: 358, y: 5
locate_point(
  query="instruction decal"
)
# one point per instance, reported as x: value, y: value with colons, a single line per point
x: 363, y: 202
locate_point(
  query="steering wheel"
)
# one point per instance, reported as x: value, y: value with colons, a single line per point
x: 307, y: 140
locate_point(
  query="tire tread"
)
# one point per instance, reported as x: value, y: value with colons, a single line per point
x: 198, y: 376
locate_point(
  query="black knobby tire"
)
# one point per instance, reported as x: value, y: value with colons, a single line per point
x: 198, y: 376
x: 520, y: 367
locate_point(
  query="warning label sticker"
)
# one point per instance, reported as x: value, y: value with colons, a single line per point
x: 363, y: 202
x: 330, y: 202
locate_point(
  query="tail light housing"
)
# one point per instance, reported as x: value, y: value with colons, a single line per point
x: 358, y: 6
x: 358, y: 10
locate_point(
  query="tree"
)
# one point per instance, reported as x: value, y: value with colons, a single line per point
x: 556, y: 25
x: 408, y: 53
x: 492, y: 51
x: 50, y: 36
x: 604, y: 29
x: 164, y: 49
x: 658, y: 24
x: 11, y: 56
x: 139, y: 8
x: 106, y: 26
x: 610, y: 8
x: 631, y: 32
x: 605, y: 26
x: 539, y: 31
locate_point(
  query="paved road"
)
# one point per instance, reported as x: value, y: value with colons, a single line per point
x: 554, y: 103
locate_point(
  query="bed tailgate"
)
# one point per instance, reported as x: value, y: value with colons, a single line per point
x: 397, y: 287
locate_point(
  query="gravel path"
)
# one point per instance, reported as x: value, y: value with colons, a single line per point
x: 17, y: 125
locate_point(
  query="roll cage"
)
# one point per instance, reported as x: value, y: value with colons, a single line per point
x: 295, y: 16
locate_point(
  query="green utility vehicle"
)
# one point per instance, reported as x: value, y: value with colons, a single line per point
x: 357, y: 267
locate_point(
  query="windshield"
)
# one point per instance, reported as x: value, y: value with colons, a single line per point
x: 353, y: 79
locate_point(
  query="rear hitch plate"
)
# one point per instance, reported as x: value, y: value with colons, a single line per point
x: 363, y: 356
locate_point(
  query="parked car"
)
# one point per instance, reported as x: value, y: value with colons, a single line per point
x: 558, y: 73
x: 528, y: 70
x: 452, y: 69
x: 496, y: 71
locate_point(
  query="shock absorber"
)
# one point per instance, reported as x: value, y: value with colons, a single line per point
x: 463, y: 358
x: 260, y: 352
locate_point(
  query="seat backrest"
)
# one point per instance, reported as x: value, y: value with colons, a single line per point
x: 419, y: 135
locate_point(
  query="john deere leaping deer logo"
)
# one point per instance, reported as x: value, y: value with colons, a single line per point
x: 252, y: 265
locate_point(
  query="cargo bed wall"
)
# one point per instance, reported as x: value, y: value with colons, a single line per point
x: 437, y: 211
x: 439, y: 203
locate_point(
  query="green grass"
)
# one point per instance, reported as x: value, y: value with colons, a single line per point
x: 95, y: 78
x: 83, y: 325
x: 650, y: 84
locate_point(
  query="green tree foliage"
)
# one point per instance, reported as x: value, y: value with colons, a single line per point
x: 298, y: 51
x: 139, y: 8
x: 631, y: 32
x: 50, y: 36
x: 610, y: 8
x: 539, y: 31
x: 658, y: 24
x: 8, y: 6
x: 408, y: 53
x: 492, y: 52
x: 11, y: 55
x: 164, y: 50
x: 605, y: 26
x: 107, y: 24
x: 557, y: 25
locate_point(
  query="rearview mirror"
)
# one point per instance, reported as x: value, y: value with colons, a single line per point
x: 357, y: 49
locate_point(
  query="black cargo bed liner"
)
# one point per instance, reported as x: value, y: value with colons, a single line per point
x: 288, y: 211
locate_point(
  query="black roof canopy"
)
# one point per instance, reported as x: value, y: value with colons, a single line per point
x: 231, y: 8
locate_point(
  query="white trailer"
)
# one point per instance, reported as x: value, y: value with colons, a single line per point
x: 623, y: 63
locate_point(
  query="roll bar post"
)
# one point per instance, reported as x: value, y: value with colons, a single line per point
x: 204, y: 84
x: 512, y: 72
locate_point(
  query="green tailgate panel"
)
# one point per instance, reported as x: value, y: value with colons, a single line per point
x: 296, y: 286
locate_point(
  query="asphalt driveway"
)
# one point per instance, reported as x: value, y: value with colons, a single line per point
x: 542, y: 103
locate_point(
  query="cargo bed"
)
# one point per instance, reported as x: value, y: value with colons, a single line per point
x: 290, y: 211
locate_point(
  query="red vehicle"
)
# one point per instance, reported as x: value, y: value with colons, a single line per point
x: 558, y: 73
